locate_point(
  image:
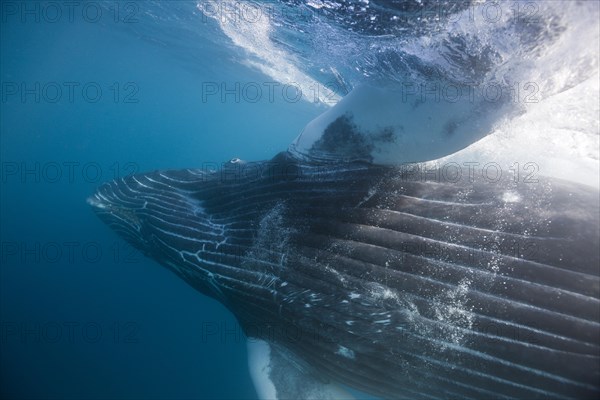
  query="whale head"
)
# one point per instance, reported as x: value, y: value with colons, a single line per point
x: 389, y: 280
x: 161, y: 216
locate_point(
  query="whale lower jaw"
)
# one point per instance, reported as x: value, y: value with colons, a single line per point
x: 399, y: 282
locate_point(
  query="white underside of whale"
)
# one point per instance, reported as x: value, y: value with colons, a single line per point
x: 265, y: 359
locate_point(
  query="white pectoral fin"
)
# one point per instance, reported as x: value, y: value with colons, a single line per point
x: 278, y: 376
x: 397, y: 124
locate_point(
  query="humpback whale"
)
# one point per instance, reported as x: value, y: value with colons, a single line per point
x: 396, y: 280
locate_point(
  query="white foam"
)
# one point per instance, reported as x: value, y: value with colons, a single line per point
x: 253, y: 35
x: 558, y: 137
x: 559, y: 134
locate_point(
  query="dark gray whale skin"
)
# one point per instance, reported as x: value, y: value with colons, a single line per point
x: 398, y: 281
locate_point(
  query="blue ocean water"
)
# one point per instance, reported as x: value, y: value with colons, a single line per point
x: 83, y: 316
x: 104, y: 89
